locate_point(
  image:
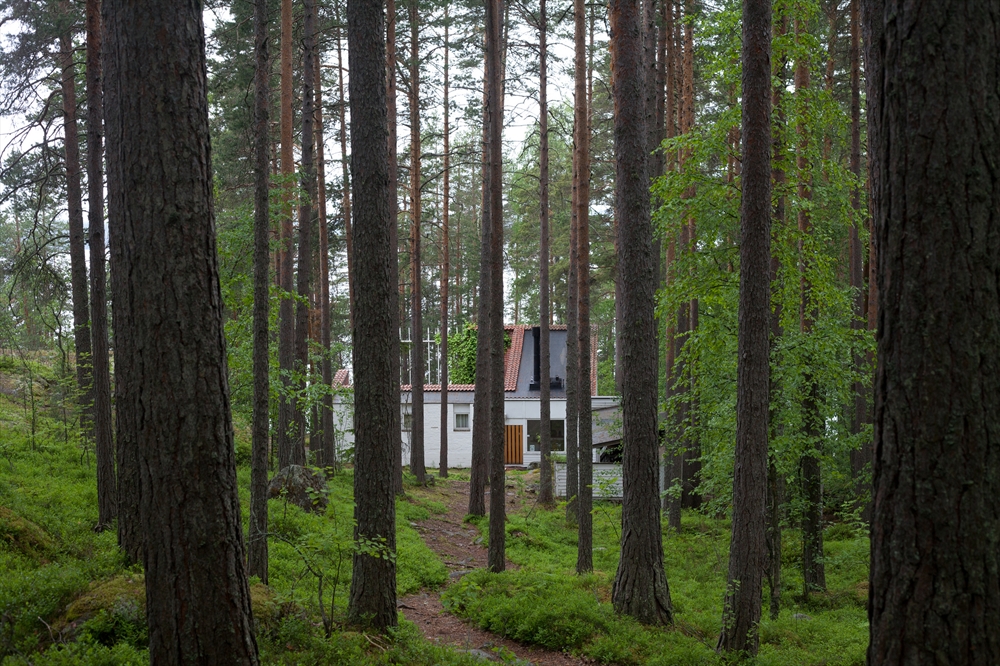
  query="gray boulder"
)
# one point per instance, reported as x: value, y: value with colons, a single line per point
x: 301, y: 486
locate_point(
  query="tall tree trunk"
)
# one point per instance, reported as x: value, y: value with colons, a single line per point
x: 390, y: 58
x: 78, y: 263
x: 546, y: 494
x: 196, y: 583
x: 775, y: 481
x: 286, y: 316
x: 131, y: 538
x: 673, y: 465
x: 861, y: 458
x: 482, y: 400
x: 304, y: 277
x: 345, y: 174
x: 107, y: 497
x: 813, y: 571
x: 585, y: 545
x: 494, y: 114
x: 328, y: 445
x: 747, y: 549
x: 640, y: 587
x: 935, y: 581
x: 445, y: 262
x: 376, y: 363
x: 416, y: 281
x: 572, y: 333
x: 257, y: 532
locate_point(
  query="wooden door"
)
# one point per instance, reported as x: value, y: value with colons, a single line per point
x: 513, y: 449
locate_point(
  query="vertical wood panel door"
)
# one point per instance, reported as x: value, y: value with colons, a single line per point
x: 513, y: 450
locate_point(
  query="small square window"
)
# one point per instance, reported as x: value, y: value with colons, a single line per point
x: 461, y: 417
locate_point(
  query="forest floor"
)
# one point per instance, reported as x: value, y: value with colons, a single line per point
x: 460, y: 547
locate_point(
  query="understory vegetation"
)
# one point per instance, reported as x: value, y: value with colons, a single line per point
x: 67, y: 597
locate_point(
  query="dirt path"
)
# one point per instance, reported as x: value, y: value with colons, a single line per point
x: 459, y: 547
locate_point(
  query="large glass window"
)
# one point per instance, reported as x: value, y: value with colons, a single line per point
x: 558, y: 430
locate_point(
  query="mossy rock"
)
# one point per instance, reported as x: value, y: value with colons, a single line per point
x: 266, y: 611
x: 25, y: 537
x: 108, y: 595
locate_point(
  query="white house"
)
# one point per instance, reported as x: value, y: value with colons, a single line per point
x: 521, y: 405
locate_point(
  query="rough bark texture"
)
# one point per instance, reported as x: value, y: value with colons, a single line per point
x: 747, y: 549
x: 416, y: 282
x: 482, y: 400
x: 305, y: 259
x: 546, y: 494
x: 78, y: 264
x: 286, y: 321
x: 935, y: 548
x: 640, y: 587
x: 196, y: 582
x: 257, y: 528
x: 376, y: 369
x: 494, y: 125
x: 390, y: 104
x: 107, y: 496
x: 445, y: 262
x: 585, y: 491
x: 130, y: 535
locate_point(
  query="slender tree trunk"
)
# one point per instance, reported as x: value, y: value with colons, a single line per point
x: 494, y: 113
x: 416, y: 280
x: 585, y: 546
x: 935, y: 581
x: 286, y: 320
x: 482, y: 400
x: 775, y: 482
x: 573, y: 337
x: 304, y: 277
x: 346, y: 194
x: 813, y: 573
x: 861, y: 458
x: 546, y: 494
x: 328, y: 444
x: 445, y: 262
x: 376, y: 365
x: 78, y: 263
x: 747, y: 549
x: 640, y: 587
x: 390, y: 58
x: 196, y: 582
x: 103, y: 431
x: 257, y: 537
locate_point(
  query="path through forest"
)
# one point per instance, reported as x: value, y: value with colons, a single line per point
x: 459, y: 546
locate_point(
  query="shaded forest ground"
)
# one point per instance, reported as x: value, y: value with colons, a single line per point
x: 66, y: 596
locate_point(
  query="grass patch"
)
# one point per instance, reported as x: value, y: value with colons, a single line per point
x: 547, y: 604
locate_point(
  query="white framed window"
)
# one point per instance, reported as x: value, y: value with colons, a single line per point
x: 407, y: 420
x: 461, y: 417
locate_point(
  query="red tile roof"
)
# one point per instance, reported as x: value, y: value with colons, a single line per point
x: 512, y: 359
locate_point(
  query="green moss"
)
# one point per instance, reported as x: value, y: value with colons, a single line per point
x: 24, y: 536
